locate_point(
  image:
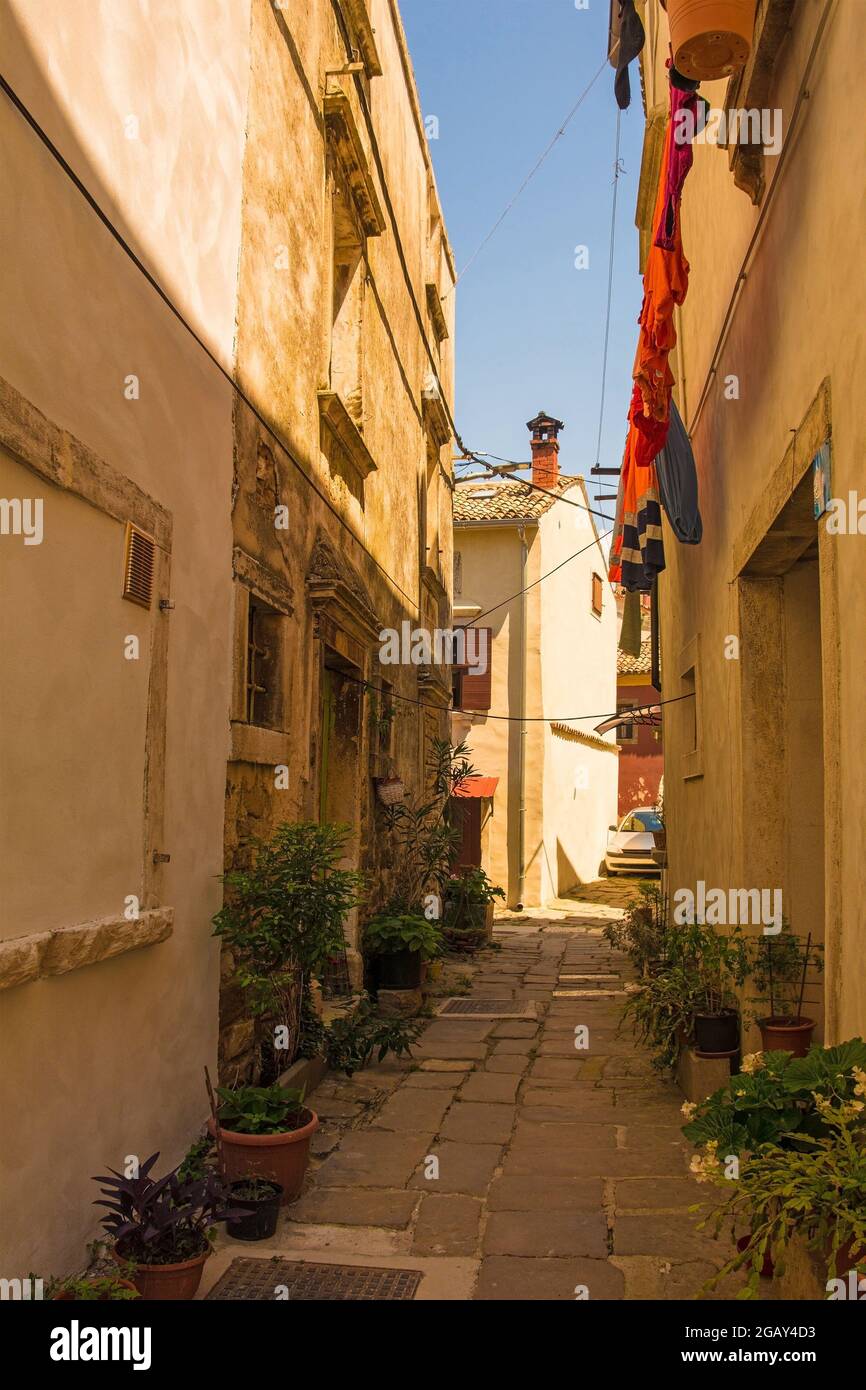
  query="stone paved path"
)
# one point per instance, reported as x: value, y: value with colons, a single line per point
x: 556, y: 1168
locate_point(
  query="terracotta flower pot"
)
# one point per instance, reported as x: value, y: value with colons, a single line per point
x: 167, y: 1283
x: 781, y: 1035
x: 711, y: 38
x: 282, y: 1158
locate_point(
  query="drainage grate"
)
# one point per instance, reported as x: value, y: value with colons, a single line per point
x: 487, y: 1008
x: 301, y: 1281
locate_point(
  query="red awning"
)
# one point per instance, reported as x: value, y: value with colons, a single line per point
x: 478, y: 786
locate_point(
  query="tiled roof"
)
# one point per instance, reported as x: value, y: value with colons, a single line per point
x: 504, y: 501
x: 635, y: 665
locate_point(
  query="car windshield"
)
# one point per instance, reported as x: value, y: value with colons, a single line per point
x: 642, y: 821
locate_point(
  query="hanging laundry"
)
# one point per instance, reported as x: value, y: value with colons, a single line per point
x: 683, y: 118
x: 678, y: 482
x: 630, y: 632
x: 631, y: 41
x: 637, y: 546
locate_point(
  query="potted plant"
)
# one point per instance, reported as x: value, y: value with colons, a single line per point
x: 662, y: 1012
x: 643, y: 932
x: 400, y: 941
x: 779, y: 975
x: 256, y: 1202
x: 468, y: 898
x: 710, y: 38
x: 721, y: 966
x: 814, y: 1190
x: 282, y: 919
x: 265, y: 1132
x: 773, y: 1101
x: 162, y: 1227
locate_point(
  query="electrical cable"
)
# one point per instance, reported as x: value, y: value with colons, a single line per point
x: 515, y: 718
x: 531, y: 175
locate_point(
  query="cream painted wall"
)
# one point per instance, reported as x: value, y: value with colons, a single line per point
x: 800, y: 319
x: 106, y: 1061
x: 577, y: 677
x: 491, y: 559
x: 570, y: 669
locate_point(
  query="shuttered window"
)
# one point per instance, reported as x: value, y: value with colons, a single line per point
x: 475, y: 685
x: 597, y: 590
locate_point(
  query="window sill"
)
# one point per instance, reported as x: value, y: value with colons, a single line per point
x: 254, y: 743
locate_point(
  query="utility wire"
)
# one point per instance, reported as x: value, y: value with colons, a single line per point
x: 628, y: 715
x: 478, y: 616
x: 531, y: 175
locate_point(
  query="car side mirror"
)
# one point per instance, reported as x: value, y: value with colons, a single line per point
x: 613, y: 828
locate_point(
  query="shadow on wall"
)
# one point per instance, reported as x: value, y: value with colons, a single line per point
x: 566, y: 875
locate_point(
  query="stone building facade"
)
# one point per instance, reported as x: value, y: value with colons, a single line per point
x: 763, y: 625
x: 217, y: 487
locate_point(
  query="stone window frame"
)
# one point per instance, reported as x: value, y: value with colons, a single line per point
x: 260, y: 743
x: 66, y: 462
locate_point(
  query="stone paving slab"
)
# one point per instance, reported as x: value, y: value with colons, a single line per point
x: 510, y: 1278
x: 545, y: 1233
x: 541, y: 1171
x: 353, y: 1206
x: 466, y: 1168
x: 448, y: 1224
x: 474, y: 1123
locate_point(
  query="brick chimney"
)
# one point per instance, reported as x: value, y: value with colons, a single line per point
x: 544, y: 443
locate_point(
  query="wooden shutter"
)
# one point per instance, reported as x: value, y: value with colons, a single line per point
x: 476, y: 687
x: 597, y: 593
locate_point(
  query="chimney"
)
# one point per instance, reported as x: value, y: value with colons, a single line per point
x: 544, y: 443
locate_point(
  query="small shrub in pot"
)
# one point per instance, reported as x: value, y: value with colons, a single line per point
x: 265, y: 1132
x: 162, y: 1227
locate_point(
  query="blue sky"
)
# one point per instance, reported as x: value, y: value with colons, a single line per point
x: 501, y: 76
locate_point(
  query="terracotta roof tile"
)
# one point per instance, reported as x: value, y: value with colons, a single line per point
x: 504, y: 501
x: 635, y: 665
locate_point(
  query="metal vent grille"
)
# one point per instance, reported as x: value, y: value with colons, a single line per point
x: 306, y: 1282
x: 487, y: 1008
x: 138, y: 558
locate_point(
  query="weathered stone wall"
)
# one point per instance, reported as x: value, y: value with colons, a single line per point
x: 313, y: 148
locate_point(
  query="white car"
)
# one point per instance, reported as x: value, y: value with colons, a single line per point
x: 629, y: 848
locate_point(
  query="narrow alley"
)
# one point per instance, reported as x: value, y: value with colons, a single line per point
x: 560, y: 1167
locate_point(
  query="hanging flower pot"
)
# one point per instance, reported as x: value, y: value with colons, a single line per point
x: 711, y: 38
x: 787, y: 1034
x: 390, y: 790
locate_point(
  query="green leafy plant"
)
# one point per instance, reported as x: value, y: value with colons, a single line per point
x: 466, y: 897
x: 779, y: 968
x: 424, y: 838
x: 661, y: 1012
x: 283, y: 918
x: 261, y: 1109
x: 772, y: 1099
x: 643, y: 932
x: 84, y: 1288
x: 253, y: 1189
x: 719, y: 961
x: 353, y: 1041
x: 199, y: 1160
x: 815, y: 1190
x: 389, y: 933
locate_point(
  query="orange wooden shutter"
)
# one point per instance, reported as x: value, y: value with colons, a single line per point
x: 476, y: 686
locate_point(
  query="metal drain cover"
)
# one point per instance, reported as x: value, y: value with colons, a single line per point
x: 303, y: 1281
x: 487, y: 1008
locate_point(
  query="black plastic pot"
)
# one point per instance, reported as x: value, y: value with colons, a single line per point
x: 717, y: 1032
x: 400, y: 970
x: 261, y: 1219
